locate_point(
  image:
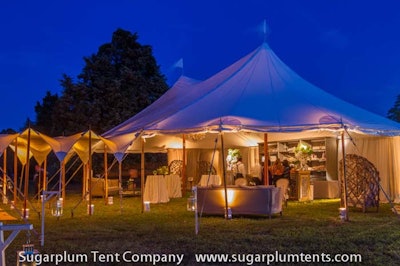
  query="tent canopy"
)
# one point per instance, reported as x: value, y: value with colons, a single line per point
x: 260, y: 93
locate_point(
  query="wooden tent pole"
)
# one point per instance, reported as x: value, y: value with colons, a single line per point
x: 5, y: 175
x: 120, y: 185
x: 60, y: 180
x: 63, y: 180
x: 15, y: 171
x: 266, y: 159
x: 90, y: 173
x: 184, y: 179
x: 45, y: 175
x: 344, y: 179
x: 38, y: 186
x: 142, y: 174
x: 227, y: 214
x: 105, y: 174
x: 27, y: 172
x: 84, y: 170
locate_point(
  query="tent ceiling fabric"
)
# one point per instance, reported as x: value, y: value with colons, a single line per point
x: 5, y: 140
x: 39, y: 148
x: 62, y: 145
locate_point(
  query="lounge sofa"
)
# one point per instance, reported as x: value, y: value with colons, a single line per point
x: 98, y: 187
x: 243, y: 200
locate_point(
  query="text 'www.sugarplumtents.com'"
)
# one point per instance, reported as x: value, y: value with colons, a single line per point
x: 277, y: 257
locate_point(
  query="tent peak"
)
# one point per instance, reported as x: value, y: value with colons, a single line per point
x: 265, y: 45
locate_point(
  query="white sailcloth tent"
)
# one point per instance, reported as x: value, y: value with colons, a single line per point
x: 258, y: 95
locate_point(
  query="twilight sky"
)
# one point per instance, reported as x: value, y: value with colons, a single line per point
x: 349, y: 48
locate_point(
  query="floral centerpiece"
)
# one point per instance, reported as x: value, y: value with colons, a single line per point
x: 232, y: 158
x: 302, y: 153
x: 163, y: 170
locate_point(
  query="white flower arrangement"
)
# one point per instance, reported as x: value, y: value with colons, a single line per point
x: 302, y: 153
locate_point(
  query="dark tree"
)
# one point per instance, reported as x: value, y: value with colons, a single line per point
x: 8, y: 131
x: 117, y: 82
x: 394, y: 112
x: 44, y: 113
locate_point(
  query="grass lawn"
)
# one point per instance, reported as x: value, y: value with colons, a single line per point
x: 308, y: 228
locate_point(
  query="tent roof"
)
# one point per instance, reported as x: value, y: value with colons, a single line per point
x: 178, y: 96
x: 260, y: 93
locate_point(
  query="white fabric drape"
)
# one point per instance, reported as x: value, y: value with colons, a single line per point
x: 383, y: 153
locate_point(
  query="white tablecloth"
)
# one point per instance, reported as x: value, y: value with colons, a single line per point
x: 155, y: 189
x: 173, y: 186
x: 214, y: 180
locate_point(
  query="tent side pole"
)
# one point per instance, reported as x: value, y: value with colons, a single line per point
x: 227, y: 215
x: 45, y: 175
x: 15, y: 171
x: 266, y: 159
x: 84, y: 170
x: 27, y: 172
x: 39, y: 184
x: 120, y: 184
x: 105, y: 175
x: 63, y: 180
x: 60, y: 179
x: 183, y: 165
x: 344, y: 178
x: 5, y: 175
x: 142, y: 174
x: 90, y: 173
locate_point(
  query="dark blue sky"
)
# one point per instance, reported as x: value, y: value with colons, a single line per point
x: 348, y: 48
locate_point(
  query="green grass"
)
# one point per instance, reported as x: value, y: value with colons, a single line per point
x: 310, y: 227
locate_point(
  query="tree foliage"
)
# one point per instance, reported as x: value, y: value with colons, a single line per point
x: 117, y: 82
x: 44, y: 112
x: 394, y: 112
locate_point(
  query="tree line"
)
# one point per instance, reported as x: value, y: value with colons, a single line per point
x: 117, y: 82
